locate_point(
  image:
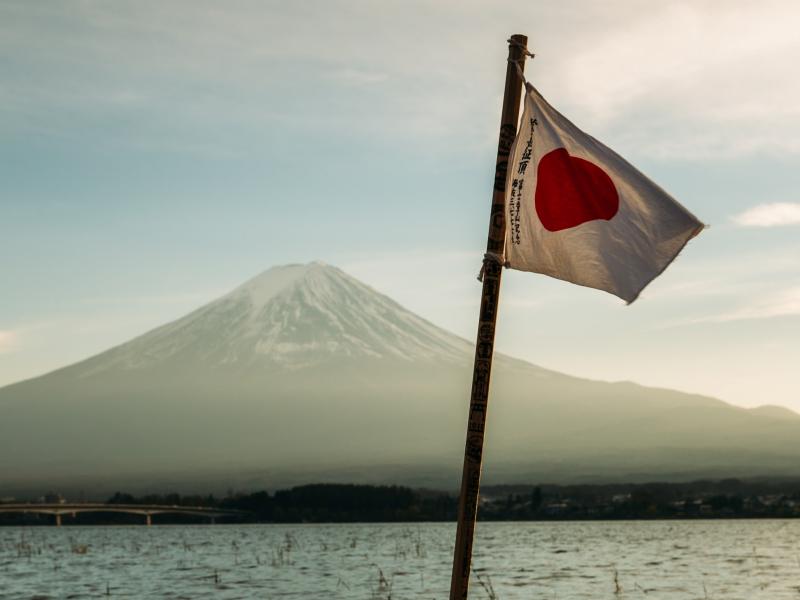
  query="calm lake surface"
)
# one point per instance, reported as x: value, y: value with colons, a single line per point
x: 718, y: 560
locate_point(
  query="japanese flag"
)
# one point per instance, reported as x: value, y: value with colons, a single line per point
x: 577, y: 211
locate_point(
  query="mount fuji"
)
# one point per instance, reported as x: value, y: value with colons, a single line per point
x: 303, y: 373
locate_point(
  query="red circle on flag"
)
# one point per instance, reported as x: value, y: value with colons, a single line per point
x: 571, y: 191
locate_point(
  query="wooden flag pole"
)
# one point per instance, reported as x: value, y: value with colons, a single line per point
x: 484, y: 347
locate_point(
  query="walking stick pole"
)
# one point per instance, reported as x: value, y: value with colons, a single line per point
x: 484, y: 347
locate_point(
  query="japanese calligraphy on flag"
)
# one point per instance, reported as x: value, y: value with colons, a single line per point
x: 577, y: 211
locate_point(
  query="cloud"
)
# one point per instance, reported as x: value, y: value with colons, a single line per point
x: 684, y: 79
x: 781, y: 304
x: 8, y: 341
x: 754, y: 269
x: 770, y: 215
x: 688, y: 81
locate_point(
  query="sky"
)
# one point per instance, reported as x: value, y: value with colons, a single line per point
x: 154, y: 155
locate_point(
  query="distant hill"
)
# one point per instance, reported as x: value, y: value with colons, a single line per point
x: 305, y: 374
x: 779, y: 412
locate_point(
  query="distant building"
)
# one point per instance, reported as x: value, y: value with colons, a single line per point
x: 52, y: 498
x: 556, y: 508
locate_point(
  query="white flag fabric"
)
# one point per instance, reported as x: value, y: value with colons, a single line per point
x: 577, y: 211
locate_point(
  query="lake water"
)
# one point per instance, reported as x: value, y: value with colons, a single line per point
x: 664, y: 560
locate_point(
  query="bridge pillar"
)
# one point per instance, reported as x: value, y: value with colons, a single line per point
x: 58, y: 519
x: 213, y: 520
x: 149, y: 519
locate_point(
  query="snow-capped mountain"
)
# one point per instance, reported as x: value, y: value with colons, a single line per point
x: 304, y: 374
x: 293, y: 316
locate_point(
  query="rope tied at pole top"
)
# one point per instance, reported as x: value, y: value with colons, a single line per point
x: 518, y: 62
x: 523, y: 47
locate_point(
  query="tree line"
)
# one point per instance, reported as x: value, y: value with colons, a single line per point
x: 318, y: 503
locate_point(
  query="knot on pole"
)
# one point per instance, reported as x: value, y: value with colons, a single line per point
x: 491, y: 257
x: 522, y: 47
x: 519, y: 62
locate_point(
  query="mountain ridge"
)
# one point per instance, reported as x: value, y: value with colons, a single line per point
x: 304, y: 371
x: 254, y: 317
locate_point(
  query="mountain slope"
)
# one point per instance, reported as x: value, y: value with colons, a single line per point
x: 294, y: 316
x: 305, y: 373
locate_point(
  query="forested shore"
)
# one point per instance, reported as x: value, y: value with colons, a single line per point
x: 349, y: 503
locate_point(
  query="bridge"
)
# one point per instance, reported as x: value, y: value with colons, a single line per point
x: 146, y: 510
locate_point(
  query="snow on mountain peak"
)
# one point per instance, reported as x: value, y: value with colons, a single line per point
x: 266, y: 285
x: 289, y: 316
